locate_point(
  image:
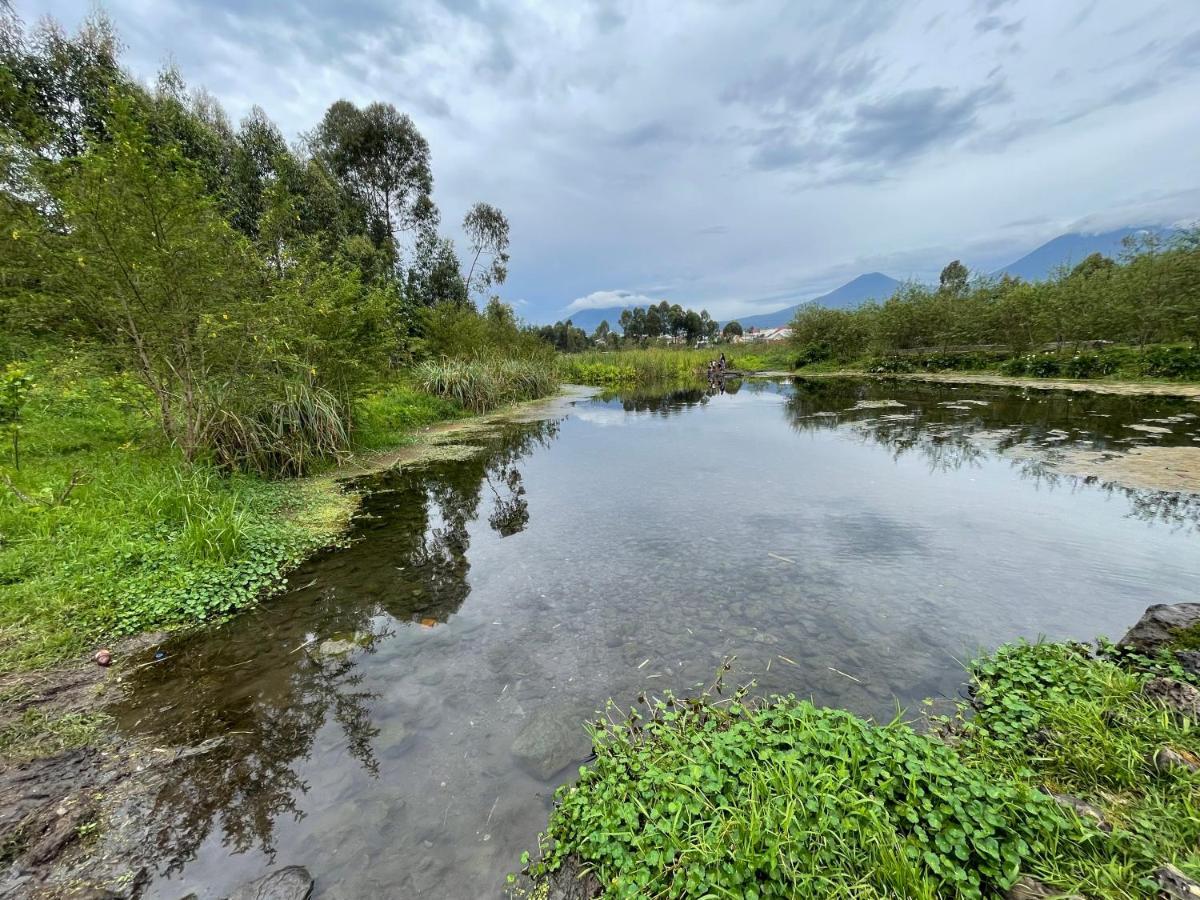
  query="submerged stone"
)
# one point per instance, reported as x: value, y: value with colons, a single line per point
x: 288, y: 883
x: 550, y: 741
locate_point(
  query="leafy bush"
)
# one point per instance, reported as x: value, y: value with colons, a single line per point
x: 1171, y: 362
x: 789, y: 800
x: 699, y: 798
x: 1089, y: 365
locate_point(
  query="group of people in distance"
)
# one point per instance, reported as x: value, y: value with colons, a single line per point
x: 716, y: 372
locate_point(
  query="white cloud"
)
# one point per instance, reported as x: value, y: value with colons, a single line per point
x: 608, y: 299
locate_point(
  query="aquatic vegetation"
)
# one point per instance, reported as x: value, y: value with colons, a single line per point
x: 481, y: 385
x: 712, y: 797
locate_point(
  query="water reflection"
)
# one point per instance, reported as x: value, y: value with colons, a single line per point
x: 1033, y: 430
x: 250, y: 697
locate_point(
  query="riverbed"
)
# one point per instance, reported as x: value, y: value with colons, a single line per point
x: 398, y: 720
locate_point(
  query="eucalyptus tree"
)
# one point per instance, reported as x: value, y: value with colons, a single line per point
x: 380, y: 157
x: 486, y: 229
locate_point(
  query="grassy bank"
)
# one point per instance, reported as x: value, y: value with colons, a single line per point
x: 104, y: 531
x: 720, y: 797
x: 663, y: 365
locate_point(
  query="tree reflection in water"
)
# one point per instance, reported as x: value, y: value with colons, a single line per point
x: 259, y: 695
x: 1030, y: 429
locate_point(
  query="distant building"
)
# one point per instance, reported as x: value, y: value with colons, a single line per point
x: 764, y: 335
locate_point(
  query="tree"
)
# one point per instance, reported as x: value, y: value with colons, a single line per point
x: 732, y: 329
x: 487, y: 233
x: 435, y: 275
x: 378, y: 154
x: 954, y: 278
x: 602, y: 332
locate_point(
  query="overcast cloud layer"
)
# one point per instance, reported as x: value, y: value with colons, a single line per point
x: 737, y: 156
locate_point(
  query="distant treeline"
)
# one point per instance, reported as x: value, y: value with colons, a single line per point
x: 657, y: 323
x: 255, y: 288
x: 1149, y: 295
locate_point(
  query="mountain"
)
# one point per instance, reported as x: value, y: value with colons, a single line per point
x: 588, y: 319
x: 1070, y: 249
x: 872, y: 286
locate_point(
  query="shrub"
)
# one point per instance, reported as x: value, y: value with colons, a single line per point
x: 1171, y: 362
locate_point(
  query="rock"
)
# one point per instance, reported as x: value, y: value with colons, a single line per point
x: 1177, y: 696
x: 1175, y: 885
x: 1189, y: 661
x: 571, y: 882
x: 333, y: 647
x: 1081, y: 808
x: 1159, y: 624
x: 1167, y: 759
x: 550, y: 741
x: 290, y: 883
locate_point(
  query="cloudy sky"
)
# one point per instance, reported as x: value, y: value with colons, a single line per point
x: 738, y: 156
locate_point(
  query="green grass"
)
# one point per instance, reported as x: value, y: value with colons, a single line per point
x: 482, y: 385
x: 710, y: 798
x: 144, y: 541
x: 663, y: 365
x: 36, y: 734
x: 388, y: 417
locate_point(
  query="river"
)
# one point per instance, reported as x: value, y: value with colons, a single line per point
x: 398, y: 720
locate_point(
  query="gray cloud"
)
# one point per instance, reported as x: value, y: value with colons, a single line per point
x: 735, y: 156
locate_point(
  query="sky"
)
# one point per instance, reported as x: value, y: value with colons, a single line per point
x: 737, y: 156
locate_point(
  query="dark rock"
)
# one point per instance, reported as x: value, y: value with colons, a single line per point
x: 1081, y: 808
x: 1189, y: 661
x: 1159, y: 625
x: 1175, y: 885
x: 290, y: 883
x: 1177, y: 696
x: 572, y: 882
x: 1167, y: 759
x: 61, y: 831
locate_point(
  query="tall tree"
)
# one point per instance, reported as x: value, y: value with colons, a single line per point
x: 380, y: 156
x: 487, y: 235
x: 954, y: 278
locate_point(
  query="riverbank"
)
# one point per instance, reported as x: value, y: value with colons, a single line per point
x: 1182, y: 390
x: 60, y: 751
x: 1070, y: 771
x: 105, y: 532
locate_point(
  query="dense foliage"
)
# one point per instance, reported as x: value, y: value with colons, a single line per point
x: 256, y: 290
x: 712, y: 797
x: 1151, y: 295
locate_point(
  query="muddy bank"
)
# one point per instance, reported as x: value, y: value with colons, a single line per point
x: 1120, y: 388
x: 451, y: 440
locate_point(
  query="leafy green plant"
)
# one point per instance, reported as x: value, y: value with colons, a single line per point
x: 15, y: 385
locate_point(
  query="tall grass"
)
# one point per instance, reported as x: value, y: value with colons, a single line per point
x: 481, y: 385
x: 663, y: 365
x: 143, y: 540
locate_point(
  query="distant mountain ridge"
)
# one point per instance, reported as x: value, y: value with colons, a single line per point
x: 871, y: 286
x: 1071, y: 249
x: 1040, y: 263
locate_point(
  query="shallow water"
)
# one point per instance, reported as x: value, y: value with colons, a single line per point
x: 850, y: 555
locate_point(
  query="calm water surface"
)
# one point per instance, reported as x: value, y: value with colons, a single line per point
x: 842, y: 549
